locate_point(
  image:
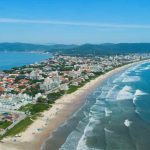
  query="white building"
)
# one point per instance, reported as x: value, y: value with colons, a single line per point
x: 75, y: 74
x: 36, y: 75
x: 51, y: 82
x: 96, y: 68
x: 64, y: 87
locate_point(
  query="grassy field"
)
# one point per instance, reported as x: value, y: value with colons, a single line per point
x: 5, y: 124
x: 35, y: 108
x: 72, y: 89
x: 20, y: 127
x: 54, y: 96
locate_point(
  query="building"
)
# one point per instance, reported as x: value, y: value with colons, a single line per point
x: 51, y: 83
x: 36, y: 75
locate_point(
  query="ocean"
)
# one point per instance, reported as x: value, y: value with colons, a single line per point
x: 115, y: 116
x: 15, y: 59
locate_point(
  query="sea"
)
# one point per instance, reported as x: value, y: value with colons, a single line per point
x: 115, y: 116
x: 9, y: 60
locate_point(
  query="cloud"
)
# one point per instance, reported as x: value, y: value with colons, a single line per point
x: 71, y: 23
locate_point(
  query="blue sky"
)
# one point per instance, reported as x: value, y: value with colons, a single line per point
x: 74, y: 21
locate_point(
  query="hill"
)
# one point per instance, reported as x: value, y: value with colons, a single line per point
x: 108, y: 49
x: 82, y: 50
x: 32, y: 47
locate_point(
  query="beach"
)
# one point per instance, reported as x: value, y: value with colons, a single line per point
x: 45, y: 125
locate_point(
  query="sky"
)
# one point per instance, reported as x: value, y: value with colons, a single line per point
x: 74, y: 21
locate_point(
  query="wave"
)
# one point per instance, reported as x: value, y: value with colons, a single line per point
x: 137, y: 112
x: 87, y: 131
x: 131, y: 79
x: 103, y: 94
x: 111, y: 94
x: 82, y: 145
x: 120, y: 78
x: 145, y: 68
x: 108, y: 131
x: 107, y: 112
x: 137, y: 94
x: 124, y: 77
x: 125, y: 93
x: 127, y: 123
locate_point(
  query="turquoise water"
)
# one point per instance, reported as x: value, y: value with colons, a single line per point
x: 14, y: 59
x: 116, y: 116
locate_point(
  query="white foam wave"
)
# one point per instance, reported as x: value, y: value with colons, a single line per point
x: 127, y: 123
x: 145, y: 68
x: 107, y: 130
x: 103, y: 94
x: 82, y: 145
x: 137, y: 94
x: 137, y: 71
x: 131, y: 79
x: 120, y: 78
x: 111, y: 94
x: 134, y: 100
x: 73, y: 138
x: 123, y: 76
x: 88, y: 129
x: 107, y: 112
x: 99, y: 102
x: 136, y: 111
x: 125, y: 93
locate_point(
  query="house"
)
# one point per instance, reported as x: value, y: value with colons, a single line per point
x: 2, y: 90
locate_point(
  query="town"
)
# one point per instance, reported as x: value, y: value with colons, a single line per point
x: 28, y: 90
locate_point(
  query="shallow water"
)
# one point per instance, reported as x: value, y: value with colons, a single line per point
x: 116, y: 116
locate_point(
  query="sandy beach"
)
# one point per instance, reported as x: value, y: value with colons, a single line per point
x: 43, y: 127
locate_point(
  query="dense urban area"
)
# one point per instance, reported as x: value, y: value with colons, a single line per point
x: 28, y: 90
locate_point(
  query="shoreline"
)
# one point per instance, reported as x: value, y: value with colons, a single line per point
x: 62, y: 109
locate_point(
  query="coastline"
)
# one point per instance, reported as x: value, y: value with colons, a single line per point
x: 32, y: 139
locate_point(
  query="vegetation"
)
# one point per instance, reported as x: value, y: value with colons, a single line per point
x: 72, y: 89
x: 66, y: 68
x: 5, y: 124
x: 20, y: 127
x: 53, y: 96
x: 8, y: 71
x: 41, y: 99
x: 80, y: 50
x: 14, y: 92
x: 34, y: 109
x: 33, y: 91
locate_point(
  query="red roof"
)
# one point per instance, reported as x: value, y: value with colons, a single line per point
x: 2, y: 89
